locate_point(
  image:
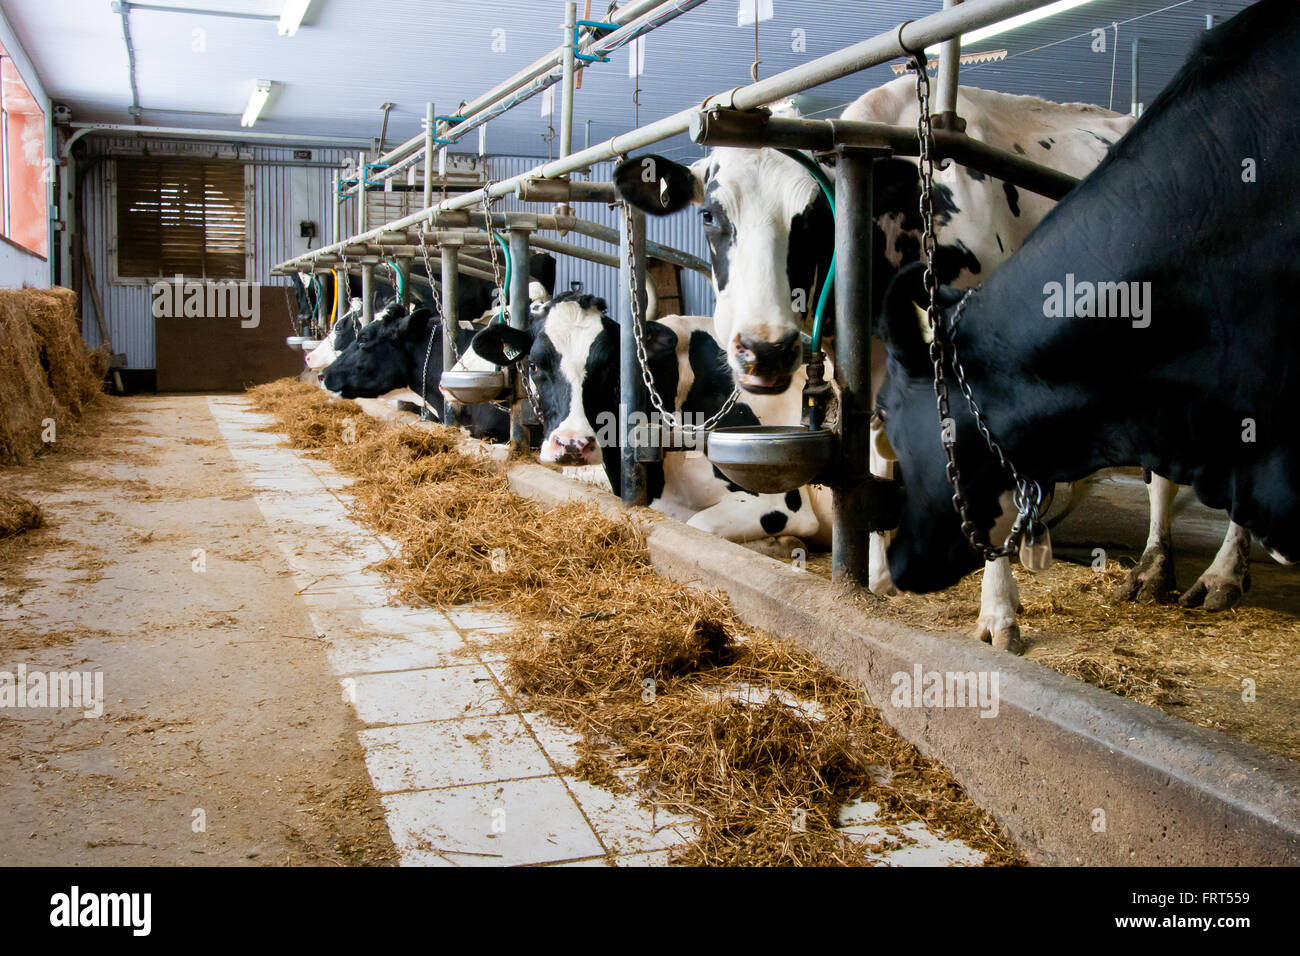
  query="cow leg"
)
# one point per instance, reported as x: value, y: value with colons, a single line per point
x: 878, y: 578
x: 999, y: 604
x: 1228, y: 576
x: 1153, y: 578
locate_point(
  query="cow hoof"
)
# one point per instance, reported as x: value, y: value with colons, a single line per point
x: 783, y: 548
x: 1008, y: 639
x: 1151, y: 582
x: 1213, y: 593
x: 1003, y: 638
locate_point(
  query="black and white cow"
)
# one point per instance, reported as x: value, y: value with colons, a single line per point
x: 771, y: 238
x: 1149, y: 320
x: 573, y: 362
x: 399, y: 352
x: 341, y: 335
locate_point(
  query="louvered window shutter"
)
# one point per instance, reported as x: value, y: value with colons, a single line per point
x: 180, y: 217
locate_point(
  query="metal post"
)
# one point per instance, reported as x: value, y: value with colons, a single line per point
x: 1133, y: 81
x: 428, y: 155
x: 341, y: 294
x: 361, y: 192
x: 945, y: 101
x: 631, y: 390
x: 367, y: 291
x: 337, y: 228
x: 519, y: 320
x: 566, y: 101
x: 451, y: 321
x: 854, y: 496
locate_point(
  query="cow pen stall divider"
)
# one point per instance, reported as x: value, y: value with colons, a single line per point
x: 734, y: 118
x: 1174, y: 793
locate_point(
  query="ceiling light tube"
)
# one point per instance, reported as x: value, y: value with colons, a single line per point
x: 1014, y: 23
x: 291, y: 16
x: 255, y: 103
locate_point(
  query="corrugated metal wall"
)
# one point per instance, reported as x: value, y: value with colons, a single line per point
x: 284, y: 195
x: 681, y: 232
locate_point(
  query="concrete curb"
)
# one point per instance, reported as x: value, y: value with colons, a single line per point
x: 1077, y: 775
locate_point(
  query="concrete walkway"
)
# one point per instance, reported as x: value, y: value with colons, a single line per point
x: 467, y: 775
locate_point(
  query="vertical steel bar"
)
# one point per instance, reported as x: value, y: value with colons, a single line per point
x: 945, y: 101
x: 853, y: 499
x: 367, y: 292
x: 518, y: 319
x: 1133, y: 81
x: 566, y: 102
x: 451, y: 321
x: 428, y: 156
x: 632, y: 398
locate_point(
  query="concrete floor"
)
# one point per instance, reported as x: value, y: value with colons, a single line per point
x: 276, y: 690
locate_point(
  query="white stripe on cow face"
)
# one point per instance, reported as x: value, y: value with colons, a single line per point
x: 753, y: 196
x: 572, y: 331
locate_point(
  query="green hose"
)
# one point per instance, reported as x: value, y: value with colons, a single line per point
x: 401, y: 285
x: 505, y: 293
x: 828, y: 190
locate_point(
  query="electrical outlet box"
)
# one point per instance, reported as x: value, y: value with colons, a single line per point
x: 306, y: 229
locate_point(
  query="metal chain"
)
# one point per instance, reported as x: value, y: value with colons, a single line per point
x: 638, y: 333
x: 524, y: 378
x: 1028, y: 496
x: 447, y: 330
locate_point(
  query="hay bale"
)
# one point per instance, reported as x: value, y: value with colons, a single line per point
x: 18, y: 515
x: 46, y: 371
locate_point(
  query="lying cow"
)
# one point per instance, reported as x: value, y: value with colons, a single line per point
x: 400, y: 352
x: 1189, y: 230
x: 573, y: 361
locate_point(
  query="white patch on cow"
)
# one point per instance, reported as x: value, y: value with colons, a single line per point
x: 761, y: 191
x: 572, y: 332
x: 323, y: 355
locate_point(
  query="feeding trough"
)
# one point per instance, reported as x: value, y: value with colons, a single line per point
x: 770, y: 459
x: 472, y: 386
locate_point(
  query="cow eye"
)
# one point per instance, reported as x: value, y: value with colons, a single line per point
x: 706, y: 217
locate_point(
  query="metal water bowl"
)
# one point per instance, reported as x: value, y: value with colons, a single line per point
x: 295, y: 341
x: 769, y: 459
x: 309, y: 345
x: 472, y: 386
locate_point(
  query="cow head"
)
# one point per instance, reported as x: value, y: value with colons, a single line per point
x: 387, y: 355
x: 573, y: 363
x: 341, y: 336
x: 771, y: 236
x: 929, y: 551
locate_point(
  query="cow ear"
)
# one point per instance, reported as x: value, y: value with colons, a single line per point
x: 657, y: 185
x: 660, y: 341
x: 906, y: 326
x: 417, y: 324
x: 501, y: 344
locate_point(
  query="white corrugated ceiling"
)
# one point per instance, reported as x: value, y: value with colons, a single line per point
x: 197, y: 70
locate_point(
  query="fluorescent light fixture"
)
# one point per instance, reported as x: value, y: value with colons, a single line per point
x: 1014, y: 23
x: 291, y: 16
x: 255, y: 103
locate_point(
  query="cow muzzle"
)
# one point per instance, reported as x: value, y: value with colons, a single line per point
x: 766, y: 367
x: 571, y: 450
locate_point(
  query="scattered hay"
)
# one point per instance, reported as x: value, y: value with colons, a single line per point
x: 18, y: 515
x: 46, y: 371
x: 634, y: 662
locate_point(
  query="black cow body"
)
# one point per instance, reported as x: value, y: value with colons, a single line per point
x: 1197, y: 213
x: 405, y: 351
